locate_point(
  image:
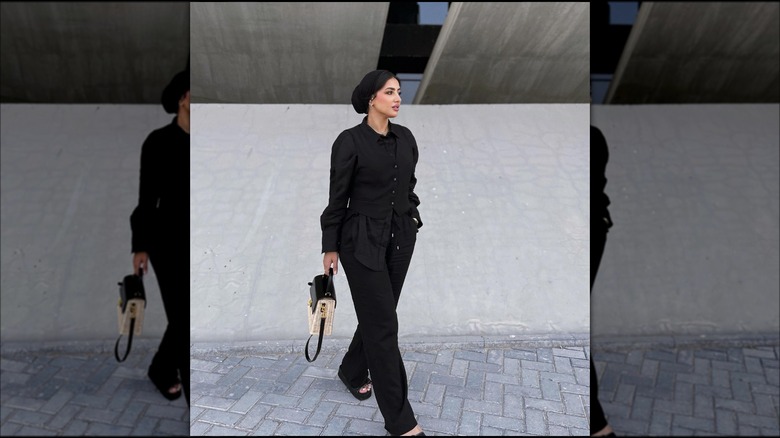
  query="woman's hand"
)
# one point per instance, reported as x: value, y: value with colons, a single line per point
x: 140, y: 259
x: 331, y: 258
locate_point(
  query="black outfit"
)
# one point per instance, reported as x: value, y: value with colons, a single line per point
x: 600, y: 222
x: 369, y: 221
x: 160, y: 227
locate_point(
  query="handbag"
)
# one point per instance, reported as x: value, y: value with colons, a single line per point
x: 130, y: 310
x: 322, y: 307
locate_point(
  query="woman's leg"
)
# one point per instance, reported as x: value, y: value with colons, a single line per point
x: 375, y: 296
x: 397, y: 259
x: 354, y: 364
x: 171, y: 362
x: 598, y: 420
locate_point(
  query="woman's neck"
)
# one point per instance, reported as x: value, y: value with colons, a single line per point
x: 183, y: 120
x: 378, y: 123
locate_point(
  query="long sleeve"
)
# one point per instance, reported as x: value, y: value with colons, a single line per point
x: 142, y: 220
x: 343, y: 159
x: 414, y: 200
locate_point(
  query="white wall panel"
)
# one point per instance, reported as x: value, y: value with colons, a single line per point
x: 69, y: 184
x: 695, y: 194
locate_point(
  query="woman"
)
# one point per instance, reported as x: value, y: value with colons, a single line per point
x: 160, y: 234
x: 601, y: 222
x: 371, y: 223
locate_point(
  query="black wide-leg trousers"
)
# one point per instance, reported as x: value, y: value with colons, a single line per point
x: 374, y: 346
x: 173, y: 355
x: 598, y: 239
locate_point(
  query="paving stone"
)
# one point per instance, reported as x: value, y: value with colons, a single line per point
x: 452, y: 392
x: 655, y: 390
x: 106, y: 400
x: 535, y: 422
x: 693, y: 390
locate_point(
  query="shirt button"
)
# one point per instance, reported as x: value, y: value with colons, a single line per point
x: 394, y: 192
x: 392, y: 234
x: 392, y: 203
x: 397, y: 247
x: 395, y: 167
x: 395, y: 179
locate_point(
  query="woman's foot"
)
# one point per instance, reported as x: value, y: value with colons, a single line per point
x: 417, y: 431
x: 606, y: 431
x: 361, y: 392
x: 169, y: 388
x: 176, y: 388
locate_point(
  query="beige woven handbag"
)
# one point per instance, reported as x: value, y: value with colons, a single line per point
x: 130, y: 310
x: 321, y: 309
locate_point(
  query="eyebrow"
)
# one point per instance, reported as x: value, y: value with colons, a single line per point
x: 392, y: 88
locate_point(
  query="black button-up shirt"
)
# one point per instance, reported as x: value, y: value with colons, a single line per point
x: 163, y: 209
x: 599, y: 201
x: 371, y: 176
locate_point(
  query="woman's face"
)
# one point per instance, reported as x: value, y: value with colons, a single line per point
x: 388, y: 99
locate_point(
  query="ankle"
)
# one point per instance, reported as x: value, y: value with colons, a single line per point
x: 415, y: 431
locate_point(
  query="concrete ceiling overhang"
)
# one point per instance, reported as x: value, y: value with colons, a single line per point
x: 700, y: 52
x: 91, y: 52
x: 283, y: 52
x: 526, y: 52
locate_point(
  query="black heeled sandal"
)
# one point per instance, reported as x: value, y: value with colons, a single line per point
x: 356, y: 391
x: 164, y: 385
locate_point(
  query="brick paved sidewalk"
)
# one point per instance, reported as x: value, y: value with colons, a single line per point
x: 520, y: 388
x: 686, y: 386
x: 84, y: 391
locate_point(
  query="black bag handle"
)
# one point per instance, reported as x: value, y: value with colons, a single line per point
x: 129, y: 343
x: 132, y: 329
x: 319, y: 342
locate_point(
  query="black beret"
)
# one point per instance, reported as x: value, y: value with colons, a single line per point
x: 370, y: 84
x: 174, y: 91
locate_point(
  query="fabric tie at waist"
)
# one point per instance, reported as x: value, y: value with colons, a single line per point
x: 371, y: 237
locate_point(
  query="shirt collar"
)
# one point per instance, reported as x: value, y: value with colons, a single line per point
x: 175, y: 124
x: 371, y: 131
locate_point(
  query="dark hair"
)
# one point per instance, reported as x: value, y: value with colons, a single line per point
x: 173, y: 92
x: 367, y: 88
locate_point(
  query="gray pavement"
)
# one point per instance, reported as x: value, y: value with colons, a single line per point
x: 475, y: 386
x: 659, y: 386
x: 685, y: 386
x: 80, y: 389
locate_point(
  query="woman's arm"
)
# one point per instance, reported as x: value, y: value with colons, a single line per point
x: 343, y: 159
x: 414, y: 200
x: 142, y: 219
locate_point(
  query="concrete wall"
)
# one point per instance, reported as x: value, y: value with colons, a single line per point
x: 504, y: 191
x: 504, y: 200
x: 69, y: 183
x: 694, y: 192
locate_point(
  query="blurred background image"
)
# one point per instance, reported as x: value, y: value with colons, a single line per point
x: 80, y: 91
x: 685, y: 306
